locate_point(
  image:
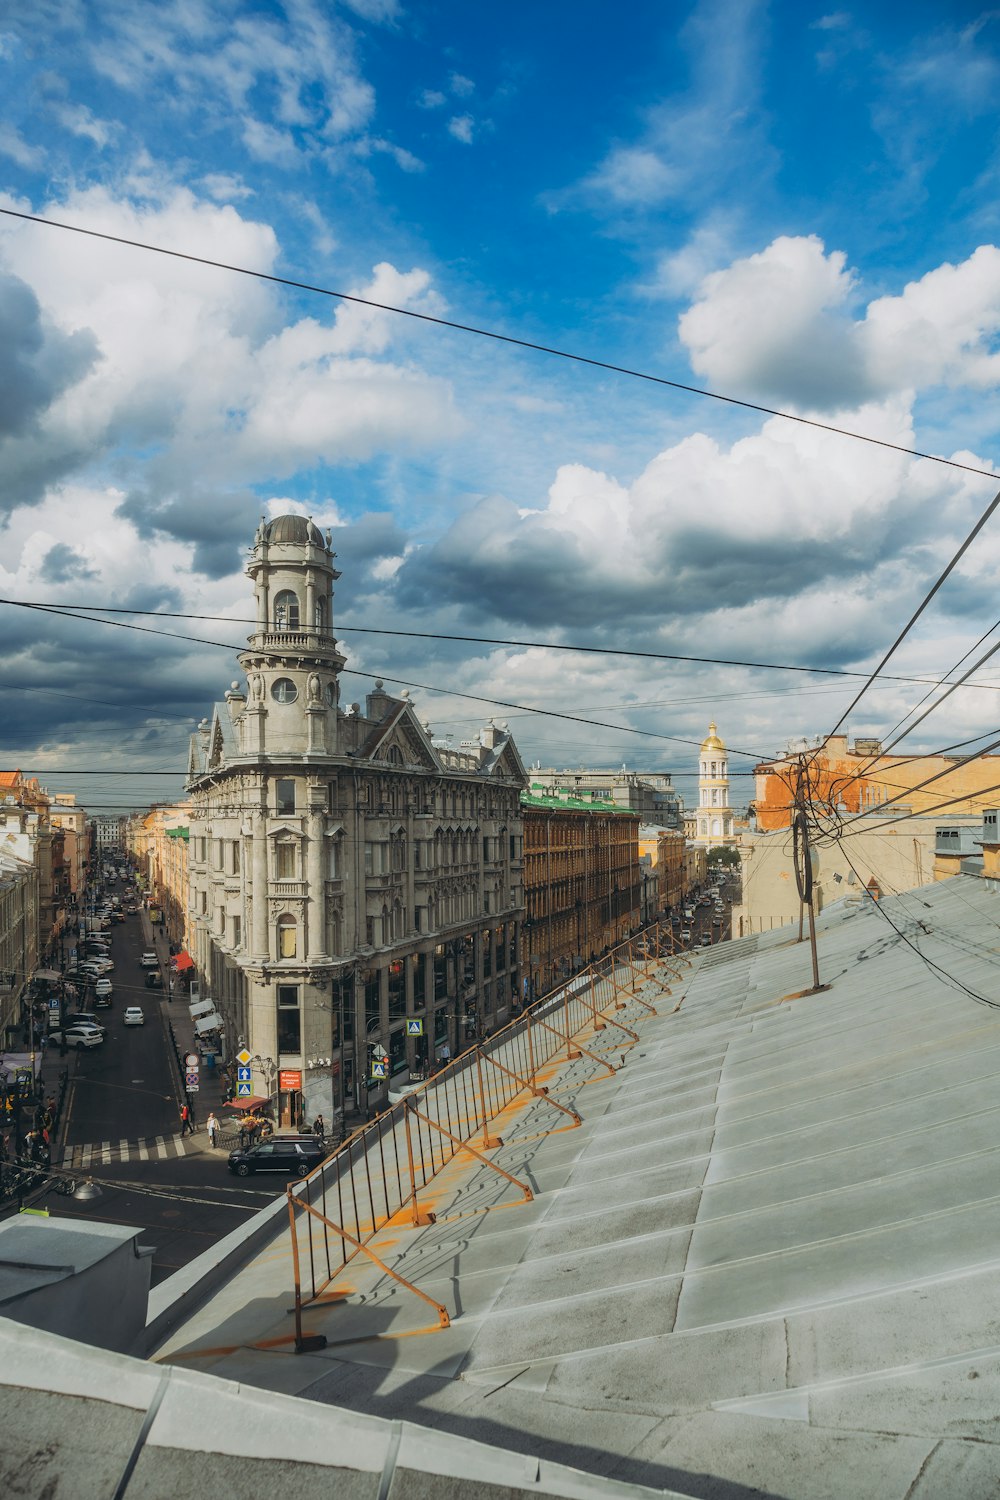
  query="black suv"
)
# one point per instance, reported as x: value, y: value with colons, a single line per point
x: 298, y: 1154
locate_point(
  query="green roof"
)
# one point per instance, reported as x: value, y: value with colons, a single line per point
x: 576, y: 804
x: 177, y: 833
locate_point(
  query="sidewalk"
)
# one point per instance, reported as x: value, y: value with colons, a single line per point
x: 179, y: 1028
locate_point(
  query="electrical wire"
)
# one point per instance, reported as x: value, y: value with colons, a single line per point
x: 935, y: 967
x: 549, y: 713
x: 941, y: 580
x: 492, y: 334
x: 96, y: 611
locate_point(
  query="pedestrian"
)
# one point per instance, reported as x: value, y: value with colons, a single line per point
x: 212, y: 1126
x: 244, y: 1133
x: 319, y: 1129
x: 187, y: 1123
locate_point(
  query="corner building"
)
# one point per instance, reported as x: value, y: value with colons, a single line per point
x: 355, y: 889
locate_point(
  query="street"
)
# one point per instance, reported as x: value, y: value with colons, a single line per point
x: 121, y: 1130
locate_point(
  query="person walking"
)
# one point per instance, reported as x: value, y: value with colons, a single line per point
x: 212, y: 1126
x: 319, y: 1128
x: 187, y: 1123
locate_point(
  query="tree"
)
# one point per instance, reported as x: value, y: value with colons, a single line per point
x: 724, y: 854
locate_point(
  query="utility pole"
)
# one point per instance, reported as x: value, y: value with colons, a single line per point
x: 802, y: 863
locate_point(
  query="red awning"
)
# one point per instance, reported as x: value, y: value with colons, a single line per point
x: 181, y: 962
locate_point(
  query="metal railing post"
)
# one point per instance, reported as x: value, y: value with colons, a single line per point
x: 419, y: 1217
x: 489, y: 1142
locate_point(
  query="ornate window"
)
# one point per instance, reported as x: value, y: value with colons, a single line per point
x: 286, y: 610
x: 283, y: 690
x: 287, y: 936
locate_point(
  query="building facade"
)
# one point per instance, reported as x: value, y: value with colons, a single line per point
x: 853, y: 779
x: 19, y: 941
x: 651, y: 794
x: 582, y: 886
x: 355, y: 888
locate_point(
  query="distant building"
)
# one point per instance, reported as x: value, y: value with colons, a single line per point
x: 110, y: 832
x: 714, y: 823
x: 651, y: 794
x: 19, y: 940
x: 850, y: 779
x: 355, y: 886
x: 582, y: 884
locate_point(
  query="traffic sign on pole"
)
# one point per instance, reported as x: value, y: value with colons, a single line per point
x: 378, y: 1068
x: 243, y: 1091
x: 415, y: 1028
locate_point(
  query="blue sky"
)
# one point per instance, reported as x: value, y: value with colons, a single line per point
x: 789, y: 204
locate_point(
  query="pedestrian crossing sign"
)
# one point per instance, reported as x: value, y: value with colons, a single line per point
x: 414, y: 1028
x: 243, y: 1090
x: 378, y: 1069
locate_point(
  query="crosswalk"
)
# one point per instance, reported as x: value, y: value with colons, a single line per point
x: 147, y: 1148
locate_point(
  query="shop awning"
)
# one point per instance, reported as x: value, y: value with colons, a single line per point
x: 182, y: 961
x: 202, y: 1008
x: 208, y: 1023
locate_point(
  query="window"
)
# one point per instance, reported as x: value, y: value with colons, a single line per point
x: 285, y: 862
x: 333, y: 859
x: 397, y: 990
x: 287, y: 937
x: 286, y: 611
x: 373, y: 1003
x: 369, y: 859
x: 289, y: 1019
x: 237, y: 932
x: 343, y: 1009
x: 284, y: 796
x: 320, y: 620
x: 283, y: 690
x: 234, y: 857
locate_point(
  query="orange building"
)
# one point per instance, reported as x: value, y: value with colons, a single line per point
x: 858, y: 778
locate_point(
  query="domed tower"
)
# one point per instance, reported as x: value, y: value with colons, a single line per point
x: 292, y: 663
x: 715, y: 817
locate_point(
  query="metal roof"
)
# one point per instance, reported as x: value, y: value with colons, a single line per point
x: 765, y: 1263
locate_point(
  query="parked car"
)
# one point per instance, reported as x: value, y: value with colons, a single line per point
x: 79, y: 1035
x: 102, y: 987
x: 133, y: 1016
x: 149, y: 961
x: 294, y: 1155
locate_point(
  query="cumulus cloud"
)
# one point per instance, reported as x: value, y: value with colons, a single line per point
x: 201, y: 389
x: 462, y: 128
x: 784, y: 325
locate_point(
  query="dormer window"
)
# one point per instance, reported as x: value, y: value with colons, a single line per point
x: 286, y: 611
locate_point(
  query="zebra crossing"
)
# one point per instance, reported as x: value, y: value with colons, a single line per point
x: 147, y: 1148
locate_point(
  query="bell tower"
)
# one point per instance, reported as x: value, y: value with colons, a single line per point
x: 292, y: 662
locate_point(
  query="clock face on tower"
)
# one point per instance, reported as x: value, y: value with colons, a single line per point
x: 283, y: 690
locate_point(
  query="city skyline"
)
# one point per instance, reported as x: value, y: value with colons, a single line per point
x: 703, y: 222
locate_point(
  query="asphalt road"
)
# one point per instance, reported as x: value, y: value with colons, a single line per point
x: 126, y: 1089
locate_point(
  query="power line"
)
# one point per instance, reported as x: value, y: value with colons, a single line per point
x: 90, y: 611
x: 949, y: 569
x: 488, y: 333
x: 548, y: 713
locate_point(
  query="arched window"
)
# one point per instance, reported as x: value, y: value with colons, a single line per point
x: 287, y: 936
x: 286, y: 610
x: 320, y: 620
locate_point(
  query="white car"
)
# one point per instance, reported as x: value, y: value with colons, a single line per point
x: 133, y: 1016
x: 102, y: 987
x: 80, y: 1035
x: 149, y: 961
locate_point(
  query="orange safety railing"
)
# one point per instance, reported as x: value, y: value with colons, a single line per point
x: 381, y: 1174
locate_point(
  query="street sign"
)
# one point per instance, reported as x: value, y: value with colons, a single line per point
x: 191, y: 1060
x: 378, y: 1069
x: 243, y: 1090
x: 192, y: 1088
x: 53, y: 1002
x: 414, y: 1028
x: 243, y: 1075
x: 243, y: 1057
x: 191, y: 1079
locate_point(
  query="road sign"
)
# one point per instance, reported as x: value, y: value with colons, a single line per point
x: 191, y: 1059
x: 243, y: 1057
x: 53, y: 1002
x: 192, y: 1088
x: 243, y: 1090
x: 243, y: 1075
x: 414, y: 1028
x: 378, y: 1068
x: 191, y: 1079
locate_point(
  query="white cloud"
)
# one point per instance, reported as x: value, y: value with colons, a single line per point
x: 780, y: 325
x: 81, y: 121
x: 636, y: 175
x: 198, y: 385
x: 461, y: 86
x: 462, y: 128
x: 431, y: 99
x: 17, y: 149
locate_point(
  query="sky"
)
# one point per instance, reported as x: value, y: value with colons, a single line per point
x: 792, y: 206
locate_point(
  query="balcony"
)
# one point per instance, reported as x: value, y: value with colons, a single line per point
x: 291, y: 642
